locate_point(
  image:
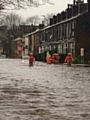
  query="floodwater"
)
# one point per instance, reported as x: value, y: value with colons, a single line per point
x: 43, y: 92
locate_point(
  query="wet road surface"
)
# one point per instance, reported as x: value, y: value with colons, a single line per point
x: 43, y: 92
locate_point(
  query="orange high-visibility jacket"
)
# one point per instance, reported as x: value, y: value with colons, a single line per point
x: 31, y: 58
x: 49, y: 60
x: 69, y: 59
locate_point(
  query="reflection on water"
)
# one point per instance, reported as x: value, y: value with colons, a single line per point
x: 43, y: 92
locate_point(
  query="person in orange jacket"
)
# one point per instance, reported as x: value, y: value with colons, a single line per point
x: 31, y: 59
x: 49, y: 59
x: 55, y: 58
x: 69, y: 59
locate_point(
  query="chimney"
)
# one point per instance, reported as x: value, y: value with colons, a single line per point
x: 51, y: 21
x: 41, y: 26
x: 58, y: 17
x: 69, y: 12
x: 74, y: 2
x: 75, y: 10
x: 79, y: 1
x: 82, y: 8
x: 54, y: 19
x: 63, y: 14
x: 88, y: 1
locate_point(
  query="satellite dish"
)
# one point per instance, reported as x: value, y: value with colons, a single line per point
x: 50, y: 36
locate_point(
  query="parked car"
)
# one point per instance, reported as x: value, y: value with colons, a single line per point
x: 2, y: 56
x: 25, y: 57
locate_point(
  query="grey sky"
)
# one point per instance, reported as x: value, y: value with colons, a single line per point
x: 59, y: 5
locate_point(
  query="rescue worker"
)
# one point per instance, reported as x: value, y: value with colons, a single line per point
x: 31, y: 59
x: 49, y: 59
x: 55, y: 58
x: 69, y: 59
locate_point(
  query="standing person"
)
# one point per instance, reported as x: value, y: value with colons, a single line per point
x: 69, y: 59
x: 49, y: 59
x: 31, y: 59
x: 56, y: 58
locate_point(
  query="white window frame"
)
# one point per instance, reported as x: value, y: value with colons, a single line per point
x: 59, y: 48
x: 65, y: 46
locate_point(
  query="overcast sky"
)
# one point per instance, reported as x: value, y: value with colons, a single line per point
x: 58, y: 6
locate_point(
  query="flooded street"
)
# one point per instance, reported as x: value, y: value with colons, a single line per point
x: 43, y: 92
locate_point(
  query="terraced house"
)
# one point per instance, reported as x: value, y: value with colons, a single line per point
x: 69, y: 31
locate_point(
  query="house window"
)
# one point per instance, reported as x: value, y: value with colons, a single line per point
x: 46, y: 47
x: 65, y: 26
x: 1, y: 50
x: 43, y: 49
x: 58, y: 32
x: 39, y: 50
x: 61, y: 31
x: 43, y: 35
x: 65, y: 48
x: 60, y: 48
x: 67, y: 29
x: 69, y: 25
x: 54, y: 46
x: 73, y: 25
x: 71, y: 48
x: 49, y: 47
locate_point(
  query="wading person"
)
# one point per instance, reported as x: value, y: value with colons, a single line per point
x: 69, y: 59
x: 56, y: 58
x: 31, y: 59
x: 49, y: 59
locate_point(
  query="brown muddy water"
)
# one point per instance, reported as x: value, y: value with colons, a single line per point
x: 43, y: 92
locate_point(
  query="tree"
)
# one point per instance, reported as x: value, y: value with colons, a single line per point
x: 47, y: 17
x: 21, y: 4
x: 11, y: 19
x: 33, y: 20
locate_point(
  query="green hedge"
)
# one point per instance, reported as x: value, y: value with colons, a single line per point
x: 78, y: 60
x: 89, y: 62
x: 42, y: 56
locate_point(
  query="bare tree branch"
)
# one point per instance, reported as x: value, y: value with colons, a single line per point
x: 33, y: 20
x: 11, y: 19
x: 47, y: 17
x: 21, y: 4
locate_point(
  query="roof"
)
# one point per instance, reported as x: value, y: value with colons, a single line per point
x: 17, y: 39
x: 61, y: 22
x: 31, y: 33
